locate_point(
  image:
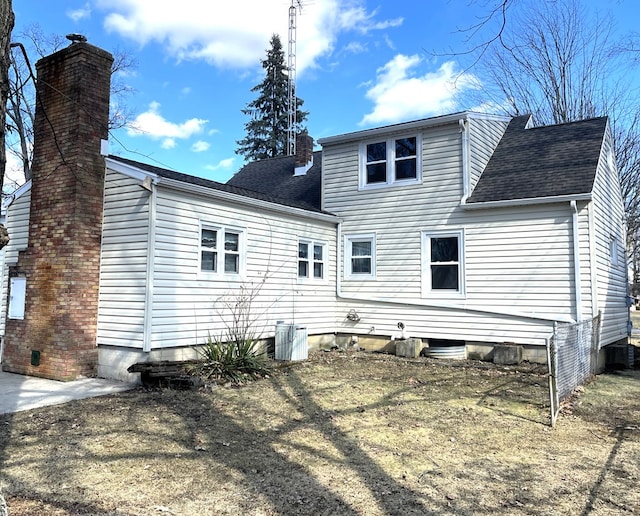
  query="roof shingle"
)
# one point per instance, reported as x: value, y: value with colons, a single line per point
x: 547, y: 161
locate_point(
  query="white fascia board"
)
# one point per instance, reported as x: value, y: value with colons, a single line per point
x: 510, y: 203
x: 247, y: 201
x: 129, y: 170
x: 409, y: 126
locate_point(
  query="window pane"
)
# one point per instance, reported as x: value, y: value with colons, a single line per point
x: 377, y: 173
x: 376, y: 152
x: 406, y: 169
x: 231, y: 241
x: 303, y: 251
x: 361, y: 248
x: 405, y: 147
x: 444, y: 277
x: 231, y: 262
x: 361, y: 265
x: 318, y: 270
x: 303, y: 269
x: 209, y: 238
x: 444, y: 249
x: 208, y: 262
x: 317, y: 252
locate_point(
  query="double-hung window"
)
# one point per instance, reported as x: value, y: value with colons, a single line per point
x: 387, y: 162
x: 443, y: 272
x: 311, y: 259
x: 360, y: 256
x: 220, y: 250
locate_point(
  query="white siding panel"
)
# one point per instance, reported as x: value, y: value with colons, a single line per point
x: 17, y: 224
x: 484, y: 136
x: 187, y: 305
x: 123, y: 263
x: 518, y: 261
x: 611, y: 277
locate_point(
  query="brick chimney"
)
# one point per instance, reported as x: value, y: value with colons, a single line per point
x: 56, y: 338
x: 304, y: 153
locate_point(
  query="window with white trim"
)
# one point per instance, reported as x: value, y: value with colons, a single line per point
x: 613, y: 250
x: 444, y: 262
x: 360, y: 256
x: 392, y: 161
x: 220, y: 250
x: 311, y: 259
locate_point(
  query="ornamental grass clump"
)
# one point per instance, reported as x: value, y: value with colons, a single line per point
x: 232, y: 361
x: 237, y: 355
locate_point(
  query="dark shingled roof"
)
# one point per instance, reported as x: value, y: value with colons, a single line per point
x: 273, y: 196
x: 546, y: 161
x: 275, y: 176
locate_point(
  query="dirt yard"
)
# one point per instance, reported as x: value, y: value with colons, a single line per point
x: 341, y: 434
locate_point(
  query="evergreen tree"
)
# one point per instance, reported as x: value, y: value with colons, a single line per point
x: 266, y: 131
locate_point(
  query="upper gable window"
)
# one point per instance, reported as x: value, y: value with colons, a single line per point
x: 392, y: 161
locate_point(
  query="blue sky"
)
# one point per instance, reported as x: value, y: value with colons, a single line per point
x: 360, y: 63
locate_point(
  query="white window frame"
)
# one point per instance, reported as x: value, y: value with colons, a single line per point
x: 427, y: 290
x: 390, y: 163
x: 613, y: 250
x: 222, y: 252
x: 312, y: 261
x: 348, y: 243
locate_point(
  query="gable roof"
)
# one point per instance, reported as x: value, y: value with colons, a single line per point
x: 268, y: 196
x: 547, y: 161
x: 277, y: 175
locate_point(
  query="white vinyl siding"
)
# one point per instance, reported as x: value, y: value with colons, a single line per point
x: 17, y: 224
x: 484, y: 136
x: 188, y: 305
x: 184, y: 305
x: 518, y: 262
x: 610, y: 275
x: 123, y: 263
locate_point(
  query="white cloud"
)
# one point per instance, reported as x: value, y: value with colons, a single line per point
x: 14, y: 173
x: 236, y: 34
x: 200, y: 146
x: 152, y: 124
x: 222, y: 164
x: 399, y: 94
x: 80, y: 13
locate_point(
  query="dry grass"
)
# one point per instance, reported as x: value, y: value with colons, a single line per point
x: 344, y: 433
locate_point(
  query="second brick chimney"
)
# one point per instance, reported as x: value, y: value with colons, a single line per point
x: 56, y: 338
x: 304, y: 153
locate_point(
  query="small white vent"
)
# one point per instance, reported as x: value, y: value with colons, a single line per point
x: 291, y: 342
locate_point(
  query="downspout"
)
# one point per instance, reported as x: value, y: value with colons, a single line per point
x: 339, y: 261
x: 576, y: 260
x: 593, y: 263
x: 464, y: 131
x: 151, y: 244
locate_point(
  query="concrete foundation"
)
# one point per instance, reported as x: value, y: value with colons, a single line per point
x: 505, y: 354
x: 410, y: 348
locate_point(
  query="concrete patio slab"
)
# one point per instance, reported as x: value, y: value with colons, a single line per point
x: 19, y: 392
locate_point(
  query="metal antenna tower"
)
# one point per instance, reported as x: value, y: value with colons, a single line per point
x: 292, y: 104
